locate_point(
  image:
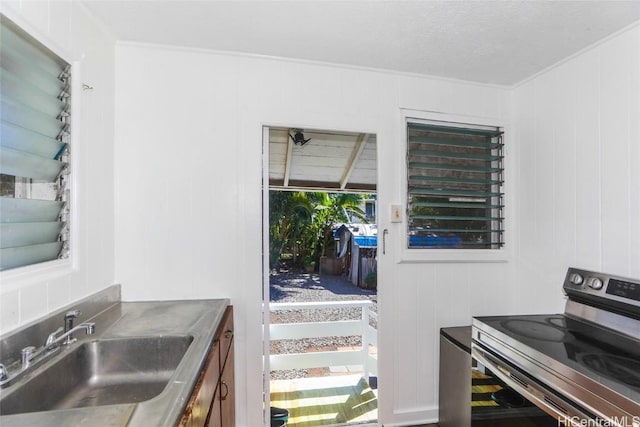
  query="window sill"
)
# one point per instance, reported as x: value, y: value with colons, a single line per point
x: 408, y: 256
x: 35, y: 273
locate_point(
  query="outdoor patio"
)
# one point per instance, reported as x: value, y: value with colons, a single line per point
x: 328, y: 383
x: 326, y: 401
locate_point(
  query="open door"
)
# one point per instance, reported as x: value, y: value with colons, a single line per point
x: 343, y: 166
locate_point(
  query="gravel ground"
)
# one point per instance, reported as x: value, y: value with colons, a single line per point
x: 297, y: 286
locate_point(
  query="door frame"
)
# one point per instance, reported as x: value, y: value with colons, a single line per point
x: 266, y: 339
x: 266, y: 321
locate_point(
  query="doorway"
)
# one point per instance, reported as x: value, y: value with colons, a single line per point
x: 328, y: 180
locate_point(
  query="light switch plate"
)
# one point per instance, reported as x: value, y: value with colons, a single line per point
x: 396, y: 213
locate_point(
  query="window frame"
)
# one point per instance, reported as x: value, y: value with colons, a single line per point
x: 14, y: 278
x: 418, y: 255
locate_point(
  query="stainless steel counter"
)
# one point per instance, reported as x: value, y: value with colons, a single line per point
x: 196, y: 318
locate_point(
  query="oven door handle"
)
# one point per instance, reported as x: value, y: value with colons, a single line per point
x: 567, y: 415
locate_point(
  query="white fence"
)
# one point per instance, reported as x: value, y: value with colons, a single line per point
x: 340, y: 328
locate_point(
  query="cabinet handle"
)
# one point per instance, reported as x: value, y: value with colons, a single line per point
x: 224, y: 395
x: 228, y: 334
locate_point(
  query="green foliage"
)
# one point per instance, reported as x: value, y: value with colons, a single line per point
x: 434, y: 223
x: 289, y: 213
x: 303, y: 222
x: 332, y: 208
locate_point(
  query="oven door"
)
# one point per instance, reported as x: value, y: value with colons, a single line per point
x: 560, y: 412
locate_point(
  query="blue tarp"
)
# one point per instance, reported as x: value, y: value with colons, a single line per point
x: 415, y: 241
x: 434, y: 241
x: 370, y: 241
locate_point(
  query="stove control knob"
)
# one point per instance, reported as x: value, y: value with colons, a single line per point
x: 575, y: 279
x: 594, y: 283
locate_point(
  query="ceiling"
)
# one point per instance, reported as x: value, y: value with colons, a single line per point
x: 495, y: 42
x: 485, y: 41
x: 328, y: 161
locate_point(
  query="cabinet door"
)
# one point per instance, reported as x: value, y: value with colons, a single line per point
x: 222, y: 412
x: 215, y: 416
x: 227, y: 392
x: 225, y: 334
x: 198, y: 407
x: 213, y: 395
x: 203, y: 403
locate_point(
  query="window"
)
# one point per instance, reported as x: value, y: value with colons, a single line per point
x: 455, y: 178
x: 370, y: 210
x: 34, y: 150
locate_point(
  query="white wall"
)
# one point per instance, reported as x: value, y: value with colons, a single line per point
x: 189, y: 212
x: 66, y: 28
x: 188, y: 177
x: 578, y: 134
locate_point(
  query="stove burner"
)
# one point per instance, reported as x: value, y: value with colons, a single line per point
x: 622, y: 369
x: 560, y: 322
x: 534, y: 330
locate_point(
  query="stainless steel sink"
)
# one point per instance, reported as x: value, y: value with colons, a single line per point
x: 100, y: 372
x: 138, y: 369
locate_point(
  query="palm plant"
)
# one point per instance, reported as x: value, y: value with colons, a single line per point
x: 304, y: 222
x: 332, y: 208
x: 289, y: 213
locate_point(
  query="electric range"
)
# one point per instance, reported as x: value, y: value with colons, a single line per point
x: 582, y: 367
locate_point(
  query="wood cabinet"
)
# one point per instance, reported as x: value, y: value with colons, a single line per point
x: 224, y: 397
x: 212, y: 402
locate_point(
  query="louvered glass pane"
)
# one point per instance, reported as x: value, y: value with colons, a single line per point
x: 456, y: 129
x: 480, y: 166
x: 451, y: 205
x: 34, y: 155
x: 20, y: 64
x: 440, y: 217
x: 28, y: 210
x: 31, y: 50
x: 28, y: 233
x: 18, y: 163
x: 454, y: 186
x: 450, y: 179
x: 19, y: 91
x: 448, y: 192
x: 27, y: 255
x: 446, y: 139
x: 455, y: 154
x: 28, y: 118
x: 21, y: 139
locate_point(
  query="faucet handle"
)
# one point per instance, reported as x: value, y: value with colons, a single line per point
x: 27, y: 355
x: 51, y: 339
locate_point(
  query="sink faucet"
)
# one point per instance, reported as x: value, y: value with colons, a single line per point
x: 29, y: 353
